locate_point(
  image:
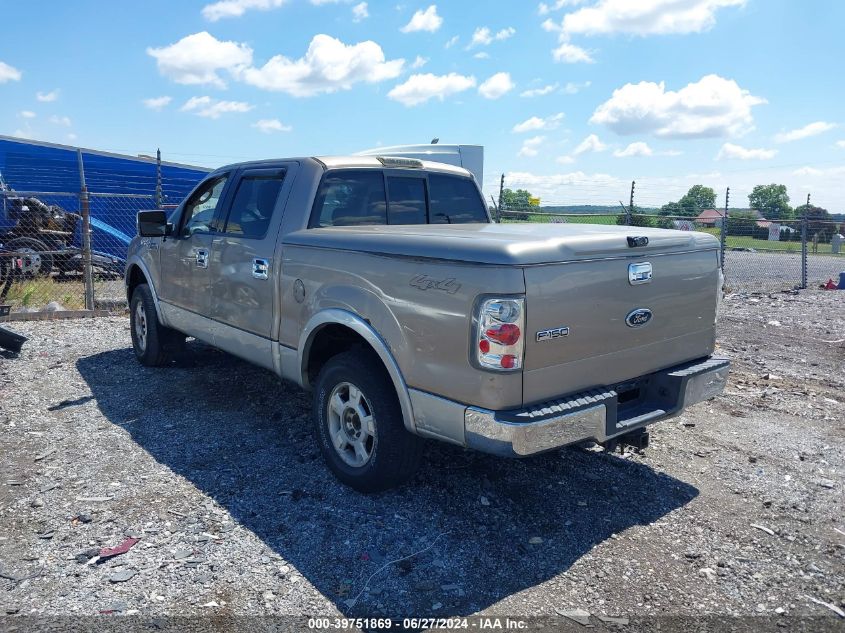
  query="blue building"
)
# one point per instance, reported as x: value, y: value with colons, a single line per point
x: 120, y: 185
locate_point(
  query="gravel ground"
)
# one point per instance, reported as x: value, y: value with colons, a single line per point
x: 735, y: 509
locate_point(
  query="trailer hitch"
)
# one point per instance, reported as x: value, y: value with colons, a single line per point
x: 637, y: 439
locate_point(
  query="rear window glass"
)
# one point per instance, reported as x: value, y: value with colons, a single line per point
x: 407, y: 200
x: 252, y: 208
x: 454, y: 200
x: 348, y: 198
x: 356, y: 197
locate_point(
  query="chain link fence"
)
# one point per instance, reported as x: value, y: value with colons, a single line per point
x: 65, y: 251
x: 758, y: 254
x: 50, y: 263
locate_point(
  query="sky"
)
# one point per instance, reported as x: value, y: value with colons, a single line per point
x: 571, y: 99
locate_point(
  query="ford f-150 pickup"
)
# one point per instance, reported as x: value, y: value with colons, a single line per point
x: 382, y: 285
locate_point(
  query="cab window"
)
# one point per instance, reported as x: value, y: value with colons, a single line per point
x: 200, y: 209
x: 350, y: 197
x: 406, y: 200
x: 252, y: 206
x: 454, y: 200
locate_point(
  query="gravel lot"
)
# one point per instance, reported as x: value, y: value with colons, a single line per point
x: 735, y: 509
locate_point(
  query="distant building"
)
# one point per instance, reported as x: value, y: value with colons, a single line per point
x: 710, y: 218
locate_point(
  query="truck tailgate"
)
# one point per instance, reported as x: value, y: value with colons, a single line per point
x: 593, y: 298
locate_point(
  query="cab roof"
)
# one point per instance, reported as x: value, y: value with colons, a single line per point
x: 336, y: 162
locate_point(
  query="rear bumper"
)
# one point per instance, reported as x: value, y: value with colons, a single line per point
x: 599, y: 414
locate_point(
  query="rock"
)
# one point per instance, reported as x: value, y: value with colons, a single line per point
x: 826, y: 483
x: 706, y: 572
x: 774, y: 323
x: 485, y: 501
x: 37, y: 503
x: 88, y: 554
x: 436, y: 606
x: 182, y: 553
x: 771, y: 377
x: 576, y: 615
x: 123, y: 575
x: 535, y: 540
x: 763, y: 528
x: 83, y: 518
x: 613, y: 620
x: 53, y: 306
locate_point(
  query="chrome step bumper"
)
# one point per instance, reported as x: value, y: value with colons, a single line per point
x: 599, y: 415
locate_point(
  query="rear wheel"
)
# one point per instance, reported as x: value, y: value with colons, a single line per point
x: 359, y: 425
x: 35, y: 256
x: 154, y: 344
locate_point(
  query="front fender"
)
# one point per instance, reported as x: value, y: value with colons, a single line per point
x: 137, y: 262
x: 337, y: 316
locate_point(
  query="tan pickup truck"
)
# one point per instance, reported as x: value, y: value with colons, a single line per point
x: 382, y: 285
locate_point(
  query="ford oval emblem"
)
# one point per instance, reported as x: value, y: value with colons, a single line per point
x: 638, y: 317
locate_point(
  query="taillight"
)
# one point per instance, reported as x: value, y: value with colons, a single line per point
x: 499, y: 334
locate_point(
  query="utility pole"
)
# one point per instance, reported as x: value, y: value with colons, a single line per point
x: 630, y: 211
x: 501, y: 197
x: 723, y: 238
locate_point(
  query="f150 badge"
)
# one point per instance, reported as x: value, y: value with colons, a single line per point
x: 553, y: 333
x: 638, y: 317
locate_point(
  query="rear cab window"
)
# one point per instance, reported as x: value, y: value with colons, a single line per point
x: 350, y: 197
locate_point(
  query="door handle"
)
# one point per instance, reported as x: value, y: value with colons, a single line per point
x: 202, y: 258
x: 260, y: 268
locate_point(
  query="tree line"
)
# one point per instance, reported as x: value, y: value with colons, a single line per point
x: 765, y: 202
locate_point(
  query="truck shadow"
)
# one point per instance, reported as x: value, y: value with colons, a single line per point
x: 498, y: 526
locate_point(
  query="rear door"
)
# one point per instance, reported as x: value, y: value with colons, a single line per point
x: 244, y: 270
x: 187, y: 254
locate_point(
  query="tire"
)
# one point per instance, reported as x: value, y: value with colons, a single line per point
x: 40, y: 264
x: 154, y: 344
x: 393, y: 454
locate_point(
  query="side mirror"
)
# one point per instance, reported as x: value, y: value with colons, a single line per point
x: 153, y: 224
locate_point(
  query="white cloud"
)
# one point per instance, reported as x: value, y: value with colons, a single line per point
x: 60, y: 120
x: 482, y: 55
x: 539, y: 92
x: 544, y: 9
x: 483, y: 36
x: 47, y: 97
x: 451, y: 41
x: 213, y: 108
x: 572, y: 88
x: 496, y: 86
x: 530, y: 145
x: 360, y: 12
x: 565, y: 160
x: 571, y: 54
x: 811, y: 129
x: 268, y: 126
x: 236, y: 8
x: 595, y: 187
x: 427, y: 20
x: 328, y: 65
x: 634, y: 149
x: 419, y: 61
x: 536, y: 123
x: 729, y: 150
x: 27, y: 114
x: 590, y: 144
x: 710, y: 107
x: 196, y: 59
x: 645, y: 17
x: 840, y: 144
x: 420, y: 88
x: 157, y: 103
x: 9, y: 73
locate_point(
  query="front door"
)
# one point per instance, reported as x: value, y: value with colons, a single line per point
x: 186, y: 255
x: 243, y: 295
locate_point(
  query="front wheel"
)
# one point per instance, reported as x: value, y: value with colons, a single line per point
x: 359, y: 425
x: 153, y: 343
